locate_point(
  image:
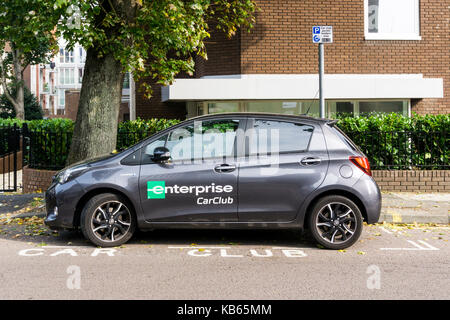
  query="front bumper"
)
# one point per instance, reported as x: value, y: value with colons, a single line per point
x: 61, y: 202
x: 51, y: 208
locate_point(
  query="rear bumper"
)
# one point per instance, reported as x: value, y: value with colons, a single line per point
x: 370, y: 196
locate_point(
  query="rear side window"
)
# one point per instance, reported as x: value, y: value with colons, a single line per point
x: 279, y: 136
x: 345, y: 139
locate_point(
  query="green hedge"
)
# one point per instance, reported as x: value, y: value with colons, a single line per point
x: 49, y: 143
x: 394, y: 122
x: 389, y: 140
x: 131, y: 132
x: 398, y: 142
x: 49, y: 140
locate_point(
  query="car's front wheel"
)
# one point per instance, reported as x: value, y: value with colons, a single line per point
x: 335, y: 222
x: 107, y: 220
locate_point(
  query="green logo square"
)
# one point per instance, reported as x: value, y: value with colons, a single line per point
x: 156, y: 189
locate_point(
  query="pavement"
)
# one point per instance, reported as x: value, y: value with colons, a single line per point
x: 397, y: 207
x: 410, y: 207
x: 388, y: 262
x: 18, y: 203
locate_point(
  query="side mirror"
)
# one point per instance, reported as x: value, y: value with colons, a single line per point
x: 161, y: 154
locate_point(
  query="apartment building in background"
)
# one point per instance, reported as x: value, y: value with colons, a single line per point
x: 386, y: 56
x: 57, y: 84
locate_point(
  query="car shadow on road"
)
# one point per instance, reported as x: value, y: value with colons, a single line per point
x: 285, y: 238
x: 272, y: 238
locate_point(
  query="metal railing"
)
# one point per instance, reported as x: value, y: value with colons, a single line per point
x: 396, y: 150
x: 405, y: 150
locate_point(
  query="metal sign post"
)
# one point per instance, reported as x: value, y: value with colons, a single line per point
x: 321, y: 35
x: 321, y: 68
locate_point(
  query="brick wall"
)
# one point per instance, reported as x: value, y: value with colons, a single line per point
x: 7, y: 162
x: 224, y: 56
x: 388, y: 180
x: 413, y: 180
x: 72, y: 97
x: 34, y: 179
x: 147, y: 108
x: 71, y: 106
x: 281, y: 43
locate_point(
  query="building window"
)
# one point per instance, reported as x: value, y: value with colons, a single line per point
x: 80, y: 75
x: 61, y: 98
x: 364, y: 108
x: 392, y: 19
x: 66, y: 56
x: 82, y: 55
x: 381, y: 106
x: 220, y: 107
x: 66, y: 76
x: 126, y: 81
x: 309, y: 107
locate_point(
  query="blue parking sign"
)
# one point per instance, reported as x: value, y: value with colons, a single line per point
x: 322, y: 34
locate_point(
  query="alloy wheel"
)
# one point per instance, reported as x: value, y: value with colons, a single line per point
x: 336, y: 223
x: 111, y: 221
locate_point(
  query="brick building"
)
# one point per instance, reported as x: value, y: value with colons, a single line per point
x: 387, y: 56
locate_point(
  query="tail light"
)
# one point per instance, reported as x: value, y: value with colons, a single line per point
x: 362, y: 163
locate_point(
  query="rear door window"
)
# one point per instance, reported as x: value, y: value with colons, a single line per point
x: 271, y: 136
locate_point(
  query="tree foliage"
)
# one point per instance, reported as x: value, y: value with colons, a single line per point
x: 33, y: 110
x: 156, y: 39
x: 26, y: 38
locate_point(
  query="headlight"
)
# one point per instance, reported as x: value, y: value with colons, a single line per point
x: 70, y: 174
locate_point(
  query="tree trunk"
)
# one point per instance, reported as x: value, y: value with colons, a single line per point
x: 18, y: 101
x: 95, y: 131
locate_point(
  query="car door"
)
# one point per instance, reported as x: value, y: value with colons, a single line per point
x: 199, y: 183
x: 285, y: 161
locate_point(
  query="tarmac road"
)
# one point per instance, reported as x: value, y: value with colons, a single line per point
x: 386, y: 263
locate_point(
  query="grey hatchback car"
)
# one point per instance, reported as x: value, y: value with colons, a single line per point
x: 235, y: 170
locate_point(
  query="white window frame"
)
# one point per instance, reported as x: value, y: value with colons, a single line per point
x: 63, y: 56
x: 61, y: 96
x: 392, y: 36
x: 82, y: 55
x: 62, y: 76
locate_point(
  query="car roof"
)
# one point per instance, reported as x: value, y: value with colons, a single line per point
x: 243, y: 114
x: 261, y: 114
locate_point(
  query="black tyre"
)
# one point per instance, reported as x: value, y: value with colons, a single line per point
x: 335, y: 222
x: 107, y: 220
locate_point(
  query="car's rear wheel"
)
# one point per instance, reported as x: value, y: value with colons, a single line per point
x: 335, y: 222
x: 107, y: 220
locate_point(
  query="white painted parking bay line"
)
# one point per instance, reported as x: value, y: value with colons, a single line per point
x: 424, y: 247
x: 198, y: 247
x: 426, y: 244
x: 290, y: 248
x: 69, y: 247
x: 385, y: 230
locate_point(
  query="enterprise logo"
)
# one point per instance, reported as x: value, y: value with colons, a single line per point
x: 158, y: 189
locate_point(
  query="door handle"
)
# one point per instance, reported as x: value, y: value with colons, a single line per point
x: 310, y: 161
x: 225, y: 168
